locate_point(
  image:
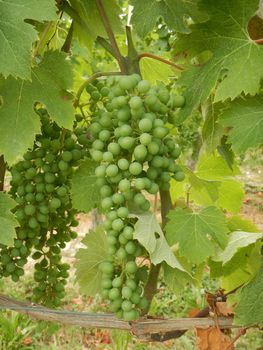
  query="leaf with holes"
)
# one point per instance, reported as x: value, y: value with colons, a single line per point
x: 233, y: 59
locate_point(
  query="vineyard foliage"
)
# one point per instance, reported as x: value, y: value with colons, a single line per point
x: 98, y: 115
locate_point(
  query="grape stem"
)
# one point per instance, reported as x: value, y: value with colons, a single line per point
x: 151, y: 285
x: 67, y: 44
x: 158, y: 58
x: 88, y: 81
x: 113, y: 42
x: 2, y: 172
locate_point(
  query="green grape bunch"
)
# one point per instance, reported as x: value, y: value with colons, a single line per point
x: 136, y: 158
x: 40, y: 185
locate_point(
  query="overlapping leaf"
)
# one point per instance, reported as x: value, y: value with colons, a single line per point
x: 8, y: 222
x: 88, y: 274
x: 146, y: 13
x: 198, y: 233
x: 149, y: 233
x: 249, y: 309
x: 84, y: 191
x: 245, y: 117
x: 236, y: 59
x: 18, y: 121
x: 17, y: 36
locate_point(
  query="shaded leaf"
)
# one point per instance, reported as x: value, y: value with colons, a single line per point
x: 245, y: 117
x: 50, y: 79
x: 88, y: 274
x: 84, y: 191
x: 17, y: 36
x: 8, y: 221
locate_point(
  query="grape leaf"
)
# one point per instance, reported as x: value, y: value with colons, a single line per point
x: 18, y: 121
x: 198, y: 234
x: 89, y: 25
x: 234, y: 55
x: 231, y: 195
x: 175, y: 279
x: 214, y: 167
x: 245, y: 117
x: 249, y: 309
x: 8, y: 222
x: 17, y: 36
x: 84, y: 191
x: 236, y: 222
x: 147, y: 12
x: 237, y: 240
x: 154, y: 71
x: 149, y: 233
x: 88, y: 274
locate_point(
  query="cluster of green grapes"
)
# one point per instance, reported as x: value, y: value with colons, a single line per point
x: 40, y: 186
x: 136, y: 157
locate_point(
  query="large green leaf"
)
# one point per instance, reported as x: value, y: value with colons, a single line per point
x: 89, y: 24
x: 231, y: 195
x: 84, y: 191
x: 149, y: 233
x: 198, y: 233
x: 236, y: 222
x: 235, y: 58
x: 175, y: 279
x: 237, y: 240
x: 249, y: 309
x: 17, y: 36
x: 8, y: 222
x: 147, y: 12
x: 88, y: 274
x: 155, y: 71
x: 18, y: 121
x: 245, y: 117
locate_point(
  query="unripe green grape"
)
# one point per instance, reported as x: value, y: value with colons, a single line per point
x: 131, y: 315
x: 143, y: 86
x: 105, y: 191
x: 30, y: 209
x: 145, y: 125
x: 123, y: 212
x: 145, y: 139
x: 123, y: 164
x: 112, y: 170
x: 130, y: 247
x: 63, y: 165
x: 145, y: 206
x: 124, y: 114
x: 135, y: 168
x: 117, y: 224
x: 135, y: 102
x: 114, y: 294
x: 117, y: 282
x: 140, y: 152
x: 118, y: 198
x: 115, y: 305
x: 108, y: 157
x: 126, y: 142
x: 121, y: 253
x: 106, y: 203
x: 55, y: 203
x: 32, y: 223
x: 179, y: 176
x: 153, y: 148
x: 100, y: 171
x: 128, y: 232
x: 130, y: 267
x: 112, y: 215
x: 160, y: 132
x: 98, y: 145
x: 151, y: 100
x: 114, y: 148
x: 106, y: 284
x: 157, y: 162
x: 135, y: 298
x: 125, y: 130
x: 154, y: 189
x: 139, y: 199
x: 96, y: 155
x: 104, y: 135
x: 124, y: 185
x: 50, y: 188
x: 126, y: 305
x: 178, y: 101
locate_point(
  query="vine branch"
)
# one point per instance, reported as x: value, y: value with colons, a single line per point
x: 107, y: 26
x: 2, y: 172
x: 88, y: 81
x: 158, y: 58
